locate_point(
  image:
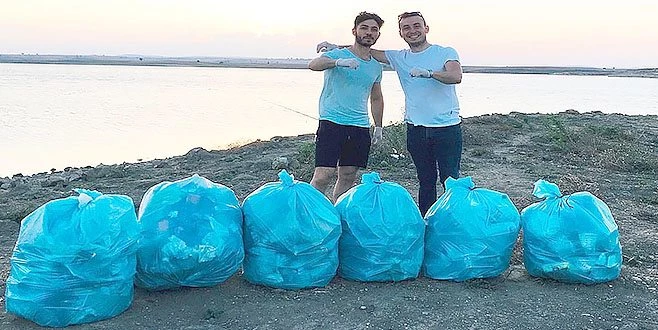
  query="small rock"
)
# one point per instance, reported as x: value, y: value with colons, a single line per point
x: 198, y: 153
x: 516, y: 273
x: 261, y: 165
x: 160, y: 164
x: 107, y: 171
x: 76, y: 176
x: 280, y: 163
x: 53, y: 180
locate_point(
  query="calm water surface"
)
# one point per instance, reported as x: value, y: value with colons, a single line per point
x: 53, y: 116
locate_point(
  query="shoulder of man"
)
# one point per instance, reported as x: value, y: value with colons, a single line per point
x: 396, y: 55
x: 446, y: 49
x: 337, y: 53
x: 396, y: 52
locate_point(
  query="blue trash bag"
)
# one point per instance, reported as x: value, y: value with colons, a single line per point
x: 470, y: 233
x: 74, y: 261
x: 291, y: 233
x: 571, y: 238
x: 191, y: 235
x: 383, y: 232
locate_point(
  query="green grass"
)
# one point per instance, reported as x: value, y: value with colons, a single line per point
x: 604, y: 146
x: 558, y: 134
x: 392, y: 151
x: 306, y: 159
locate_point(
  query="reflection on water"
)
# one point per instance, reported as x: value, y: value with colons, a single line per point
x: 53, y: 116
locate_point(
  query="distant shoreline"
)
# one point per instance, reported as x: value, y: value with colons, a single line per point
x: 296, y: 63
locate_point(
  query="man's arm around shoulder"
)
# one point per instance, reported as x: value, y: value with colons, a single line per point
x: 379, y: 55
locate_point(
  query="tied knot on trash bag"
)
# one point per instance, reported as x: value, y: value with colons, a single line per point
x: 466, y: 182
x: 371, y: 178
x: 286, y: 178
x: 544, y: 189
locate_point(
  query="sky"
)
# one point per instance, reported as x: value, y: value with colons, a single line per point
x: 484, y: 32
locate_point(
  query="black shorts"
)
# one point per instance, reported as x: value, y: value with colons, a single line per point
x: 341, y: 145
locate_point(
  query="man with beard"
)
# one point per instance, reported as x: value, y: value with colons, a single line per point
x: 351, y: 76
x: 428, y: 74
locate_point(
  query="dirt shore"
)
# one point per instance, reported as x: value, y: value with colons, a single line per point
x: 612, y: 156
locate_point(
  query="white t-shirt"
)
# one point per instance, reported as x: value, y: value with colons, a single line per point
x: 428, y: 102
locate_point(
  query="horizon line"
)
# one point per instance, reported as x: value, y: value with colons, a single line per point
x: 141, y: 57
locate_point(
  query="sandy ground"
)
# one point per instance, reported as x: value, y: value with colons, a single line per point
x: 614, y: 157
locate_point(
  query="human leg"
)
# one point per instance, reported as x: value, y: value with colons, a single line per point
x: 354, y: 154
x: 422, y: 155
x: 346, y: 179
x: 329, y: 139
x: 448, y: 151
x: 322, y: 177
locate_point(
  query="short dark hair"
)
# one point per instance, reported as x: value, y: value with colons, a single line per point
x: 364, y: 16
x: 411, y: 14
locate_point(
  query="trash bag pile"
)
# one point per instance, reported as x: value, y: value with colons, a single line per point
x: 571, y: 238
x: 74, y: 261
x: 191, y: 235
x: 291, y: 235
x: 383, y: 232
x: 471, y: 232
x: 77, y: 259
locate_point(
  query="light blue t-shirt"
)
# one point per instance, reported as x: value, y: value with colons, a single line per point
x: 427, y: 102
x: 345, y: 94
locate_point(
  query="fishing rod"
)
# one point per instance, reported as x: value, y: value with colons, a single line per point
x: 290, y: 109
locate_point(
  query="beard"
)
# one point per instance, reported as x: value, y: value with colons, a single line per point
x: 362, y: 42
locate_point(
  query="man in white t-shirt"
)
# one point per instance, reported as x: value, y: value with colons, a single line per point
x: 428, y: 74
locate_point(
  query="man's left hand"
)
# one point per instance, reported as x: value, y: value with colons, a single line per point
x: 377, y: 135
x: 325, y: 46
x: 418, y: 72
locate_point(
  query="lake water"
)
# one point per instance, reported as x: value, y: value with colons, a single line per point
x: 53, y: 116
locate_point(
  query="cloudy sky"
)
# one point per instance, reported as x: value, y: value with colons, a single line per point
x: 484, y: 32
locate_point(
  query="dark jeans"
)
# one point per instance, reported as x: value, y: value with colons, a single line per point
x: 432, y: 149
